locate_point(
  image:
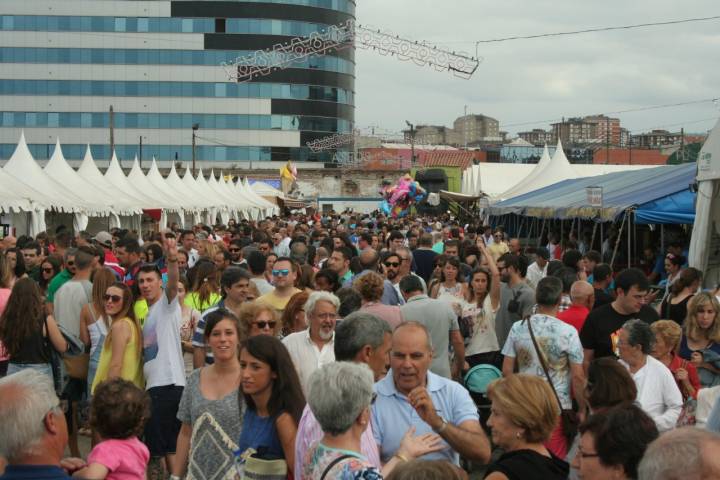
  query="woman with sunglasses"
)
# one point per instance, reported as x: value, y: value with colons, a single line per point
x: 48, y: 270
x: 94, y: 324
x: 121, y: 354
x: 274, y: 399
x: 258, y: 318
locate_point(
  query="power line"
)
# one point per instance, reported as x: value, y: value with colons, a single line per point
x: 597, y: 29
x: 629, y: 110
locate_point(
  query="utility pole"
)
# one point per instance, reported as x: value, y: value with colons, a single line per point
x: 112, y: 131
x: 194, y: 129
x: 412, y: 143
x: 140, y: 152
x: 465, y: 128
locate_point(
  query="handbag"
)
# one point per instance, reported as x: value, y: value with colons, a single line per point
x: 257, y: 467
x: 77, y: 366
x: 568, y: 417
x: 689, y: 408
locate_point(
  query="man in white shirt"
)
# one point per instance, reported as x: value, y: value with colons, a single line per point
x: 187, y: 240
x: 312, y: 348
x: 164, y: 366
x: 538, y: 269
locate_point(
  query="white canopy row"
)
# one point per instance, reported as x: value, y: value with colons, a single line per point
x: 27, y: 187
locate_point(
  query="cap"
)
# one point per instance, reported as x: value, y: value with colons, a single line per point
x: 542, y: 252
x: 103, y: 238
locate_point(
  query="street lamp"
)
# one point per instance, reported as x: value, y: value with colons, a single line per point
x: 412, y: 143
x: 195, y: 127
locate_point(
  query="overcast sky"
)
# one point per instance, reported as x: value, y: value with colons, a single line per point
x: 542, y: 79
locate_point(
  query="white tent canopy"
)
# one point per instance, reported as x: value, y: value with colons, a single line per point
x: 548, y: 171
x: 91, y: 173
x: 140, y: 181
x: 23, y: 167
x: 265, y: 190
x: 706, y: 229
x: 162, y: 188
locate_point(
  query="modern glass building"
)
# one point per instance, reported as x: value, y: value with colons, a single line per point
x: 64, y: 63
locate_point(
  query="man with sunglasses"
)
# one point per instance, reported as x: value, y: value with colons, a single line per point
x: 60, y: 279
x: 161, y: 316
x: 284, y: 274
x: 236, y: 253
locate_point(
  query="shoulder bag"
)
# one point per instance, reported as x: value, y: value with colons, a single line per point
x: 568, y: 417
x: 333, y: 463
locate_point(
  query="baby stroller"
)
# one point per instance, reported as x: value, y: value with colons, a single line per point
x: 476, y: 381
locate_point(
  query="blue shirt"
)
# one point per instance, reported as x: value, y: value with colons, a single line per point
x: 392, y: 414
x: 260, y: 434
x: 34, y: 472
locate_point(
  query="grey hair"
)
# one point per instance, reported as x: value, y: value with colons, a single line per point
x: 549, y: 291
x: 639, y: 333
x: 316, y: 297
x: 27, y: 396
x: 338, y: 393
x: 677, y: 455
x: 357, y: 330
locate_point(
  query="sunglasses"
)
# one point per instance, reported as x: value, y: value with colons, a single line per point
x: 47, y: 270
x: 263, y: 325
x: 70, y: 263
x: 392, y: 264
x: 112, y: 298
x: 281, y: 273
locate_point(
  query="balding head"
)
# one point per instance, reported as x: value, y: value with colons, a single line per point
x: 684, y: 454
x: 411, y: 356
x: 369, y: 259
x: 582, y: 294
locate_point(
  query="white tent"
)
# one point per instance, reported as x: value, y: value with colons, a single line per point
x: 547, y: 172
x: 226, y: 206
x: 211, y: 213
x: 140, y: 181
x: 162, y: 188
x: 25, y: 170
x: 265, y: 190
x: 193, y: 188
x: 88, y: 171
x: 706, y: 230
x: 116, y: 177
x: 268, y: 207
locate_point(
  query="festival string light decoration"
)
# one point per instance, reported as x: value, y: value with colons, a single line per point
x: 338, y: 37
x: 333, y: 141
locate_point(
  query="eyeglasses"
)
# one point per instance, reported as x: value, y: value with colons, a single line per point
x: 281, y: 273
x: 112, y: 298
x: 392, y: 264
x: 234, y: 249
x: 70, y: 263
x: 326, y: 316
x: 48, y: 270
x: 263, y: 325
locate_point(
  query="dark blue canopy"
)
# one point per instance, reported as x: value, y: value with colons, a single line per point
x: 658, y: 195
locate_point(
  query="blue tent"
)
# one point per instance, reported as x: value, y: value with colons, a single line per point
x: 658, y: 195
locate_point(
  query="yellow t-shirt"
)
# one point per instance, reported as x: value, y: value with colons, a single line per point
x: 192, y: 300
x: 276, y: 302
x: 132, y: 368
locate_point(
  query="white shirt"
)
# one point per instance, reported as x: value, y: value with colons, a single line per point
x: 535, y: 274
x: 658, y: 393
x: 192, y: 257
x: 306, y: 355
x: 162, y: 352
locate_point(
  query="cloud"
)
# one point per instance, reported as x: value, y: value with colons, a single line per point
x: 549, y: 78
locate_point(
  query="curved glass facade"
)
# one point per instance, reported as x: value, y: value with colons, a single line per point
x: 313, y: 97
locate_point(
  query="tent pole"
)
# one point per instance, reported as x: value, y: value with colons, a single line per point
x: 530, y: 230
x: 562, y: 231
x: 519, y: 232
x: 592, y: 240
x: 629, y: 239
x: 542, y: 230
x: 617, y: 241
x: 602, y: 233
x: 662, y: 239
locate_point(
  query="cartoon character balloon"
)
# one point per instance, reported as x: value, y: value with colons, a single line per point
x: 398, y: 198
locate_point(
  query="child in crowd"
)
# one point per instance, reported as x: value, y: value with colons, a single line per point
x: 118, y: 413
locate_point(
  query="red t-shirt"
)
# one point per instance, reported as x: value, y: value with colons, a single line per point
x: 677, y: 363
x: 575, y: 315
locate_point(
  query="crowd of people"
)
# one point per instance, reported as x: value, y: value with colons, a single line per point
x: 348, y: 346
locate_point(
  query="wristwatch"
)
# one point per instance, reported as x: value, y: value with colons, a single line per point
x: 442, y: 427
